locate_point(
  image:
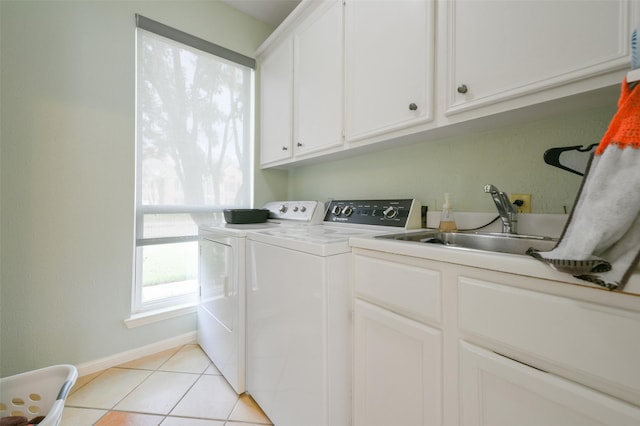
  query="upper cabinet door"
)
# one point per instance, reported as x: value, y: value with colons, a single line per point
x: 318, y: 80
x: 389, y: 68
x: 504, y: 49
x: 276, y: 85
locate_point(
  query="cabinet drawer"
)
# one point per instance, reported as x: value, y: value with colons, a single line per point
x: 590, y: 343
x: 497, y: 391
x: 409, y: 290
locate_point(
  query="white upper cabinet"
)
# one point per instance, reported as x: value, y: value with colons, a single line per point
x: 389, y: 65
x: 276, y: 103
x: 500, y: 50
x: 301, y: 83
x: 347, y: 74
x: 318, y: 80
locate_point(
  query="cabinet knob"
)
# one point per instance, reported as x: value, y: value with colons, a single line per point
x: 299, y: 144
x: 284, y: 148
x: 413, y: 107
x: 463, y: 89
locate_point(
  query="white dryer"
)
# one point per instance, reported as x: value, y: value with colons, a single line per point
x: 222, y: 307
x: 299, y: 306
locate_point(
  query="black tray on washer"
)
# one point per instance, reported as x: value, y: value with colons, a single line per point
x: 236, y: 216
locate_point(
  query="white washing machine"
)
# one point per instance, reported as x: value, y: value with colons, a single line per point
x: 299, y: 306
x: 222, y: 308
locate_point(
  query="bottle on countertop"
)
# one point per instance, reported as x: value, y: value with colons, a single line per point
x: 447, y: 221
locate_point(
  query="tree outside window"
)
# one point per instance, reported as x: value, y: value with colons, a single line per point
x: 193, y: 147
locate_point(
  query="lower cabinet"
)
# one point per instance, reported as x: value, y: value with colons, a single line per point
x: 438, y: 343
x: 397, y: 369
x: 590, y: 343
x: 498, y: 391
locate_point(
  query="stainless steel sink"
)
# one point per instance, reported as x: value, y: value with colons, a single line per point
x: 495, y: 242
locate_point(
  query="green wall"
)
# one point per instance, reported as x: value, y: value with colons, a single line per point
x: 509, y: 157
x: 67, y: 172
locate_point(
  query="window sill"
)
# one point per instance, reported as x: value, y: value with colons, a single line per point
x: 150, y: 317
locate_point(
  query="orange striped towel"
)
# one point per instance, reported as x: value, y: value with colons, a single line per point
x: 601, y: 241
x: 624, y: 129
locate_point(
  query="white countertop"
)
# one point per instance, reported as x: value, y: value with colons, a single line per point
x: 509, y: 263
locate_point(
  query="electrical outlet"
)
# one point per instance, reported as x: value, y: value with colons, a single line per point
x: 526, y: 202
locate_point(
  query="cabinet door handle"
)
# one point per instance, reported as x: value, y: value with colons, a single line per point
x: 284, y: 148
x: 463, y: 89
x: 413, y: 107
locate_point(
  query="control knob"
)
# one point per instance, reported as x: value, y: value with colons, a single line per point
x: 283, y: 208
x: 390, y: 212
x: 348, y: 211
x: 336, y: 210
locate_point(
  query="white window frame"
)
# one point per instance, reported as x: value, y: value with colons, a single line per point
x: 213, y: 211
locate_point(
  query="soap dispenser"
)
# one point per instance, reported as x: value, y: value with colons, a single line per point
x: 447, y: 222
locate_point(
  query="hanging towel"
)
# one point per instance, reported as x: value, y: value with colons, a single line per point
x: 601, y: 241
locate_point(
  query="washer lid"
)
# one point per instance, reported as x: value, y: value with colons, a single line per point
x: 319, y: 240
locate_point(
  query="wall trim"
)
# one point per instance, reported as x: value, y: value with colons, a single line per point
x: 133, y: 354
x: 150, y: 317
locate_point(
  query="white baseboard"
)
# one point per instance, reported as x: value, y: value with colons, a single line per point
x: 133, y: 354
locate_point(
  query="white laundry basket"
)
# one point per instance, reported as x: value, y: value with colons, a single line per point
x: 36, y: 393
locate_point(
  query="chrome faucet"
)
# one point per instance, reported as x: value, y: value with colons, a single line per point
x: 506, y: 210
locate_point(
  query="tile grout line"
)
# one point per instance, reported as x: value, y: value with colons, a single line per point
x: 128, y: 393
x: 185, y: 394
x: 228, y: 421
x: 109, y: 410
x: 164, y: 416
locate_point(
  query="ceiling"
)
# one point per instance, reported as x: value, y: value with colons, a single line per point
x: 270, y: 11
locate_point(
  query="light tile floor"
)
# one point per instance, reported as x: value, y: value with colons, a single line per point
x: 178, y: 387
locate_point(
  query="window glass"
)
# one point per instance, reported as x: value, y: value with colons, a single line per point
x: 193, y: 159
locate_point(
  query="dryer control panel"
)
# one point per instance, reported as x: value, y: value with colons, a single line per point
x: 302, y: 211
x: 397, y: 213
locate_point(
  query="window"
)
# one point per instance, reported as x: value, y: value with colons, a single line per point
x: 194, y: 137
